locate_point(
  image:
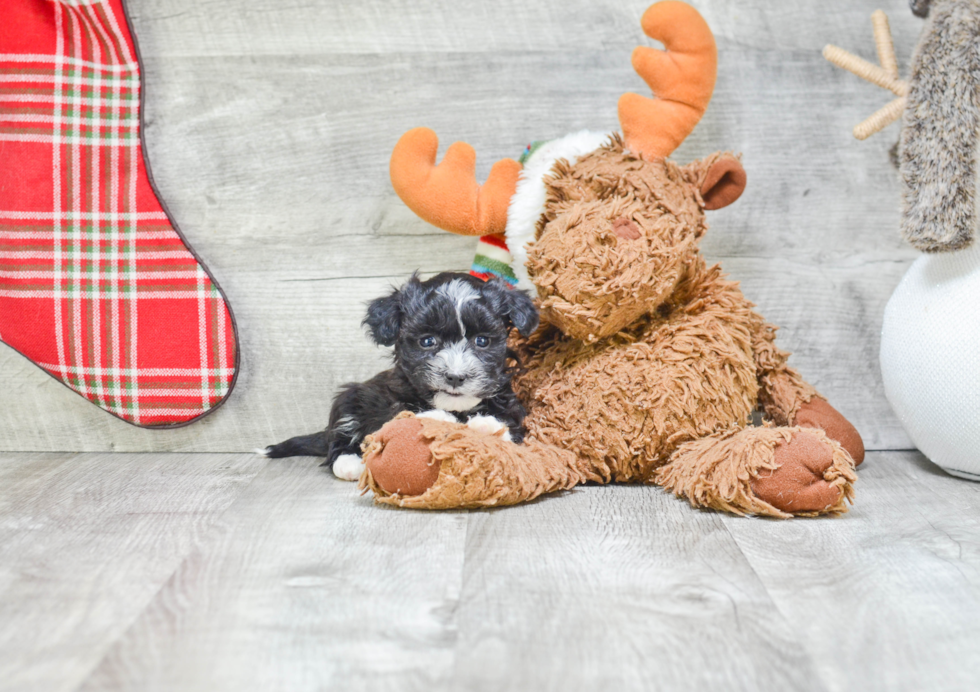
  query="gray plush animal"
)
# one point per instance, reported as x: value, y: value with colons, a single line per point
x: 940, y: 107
x: 938, y: 145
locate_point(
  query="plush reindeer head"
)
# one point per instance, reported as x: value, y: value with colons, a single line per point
x: 602, y: 225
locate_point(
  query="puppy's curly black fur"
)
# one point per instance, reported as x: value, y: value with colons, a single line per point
x: 450, y: 352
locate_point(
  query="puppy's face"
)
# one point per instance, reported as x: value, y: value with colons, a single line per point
x: 450, y: 335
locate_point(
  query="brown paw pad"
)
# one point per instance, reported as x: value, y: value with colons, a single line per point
x: 404, y: 464
x: 798, y: 485
x: 817, y: 413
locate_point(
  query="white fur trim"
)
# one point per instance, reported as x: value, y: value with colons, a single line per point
x: 438, y: 414
x: 348, y: 467
x: 488, y: 425
x: 495, y: 253
x: 527, y: 204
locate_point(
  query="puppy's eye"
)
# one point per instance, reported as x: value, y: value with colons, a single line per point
x: 427, y: 341
x: 482, y: 341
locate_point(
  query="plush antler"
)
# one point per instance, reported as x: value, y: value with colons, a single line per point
x: 682, y: 77
x: 448, y: 195
x: 885, y: 76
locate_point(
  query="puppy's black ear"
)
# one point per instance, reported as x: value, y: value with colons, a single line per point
x: 384, y: 315
x: 384, y: 319
x: 515, y: 304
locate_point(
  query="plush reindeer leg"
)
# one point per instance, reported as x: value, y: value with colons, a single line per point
x: 788, y: 399
x: 770, y: 471
x: 424, y: 463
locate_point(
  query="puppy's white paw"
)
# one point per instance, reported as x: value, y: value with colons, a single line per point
x: 488, y: 425
x: 262, y: 451
x: 438, y: 414
x: 348, y: 467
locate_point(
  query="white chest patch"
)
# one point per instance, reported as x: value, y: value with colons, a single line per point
x: 455, y: 402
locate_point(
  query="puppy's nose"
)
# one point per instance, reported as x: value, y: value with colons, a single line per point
x: 455, y: 380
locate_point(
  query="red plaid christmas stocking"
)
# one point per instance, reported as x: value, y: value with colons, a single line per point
x: 97, y: 287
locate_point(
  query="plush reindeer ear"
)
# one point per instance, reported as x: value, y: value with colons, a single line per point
x: 723, y: 183
x: 384, y: 315
x: 514, y: 303
x: 720, y: 178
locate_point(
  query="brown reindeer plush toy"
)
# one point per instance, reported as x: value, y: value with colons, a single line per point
x: 648, y: 364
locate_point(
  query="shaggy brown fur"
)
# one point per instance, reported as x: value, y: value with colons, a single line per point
x: 684, y: 365
x: 478, y: 470
x: 938, y: 145
x: 616, y: 279
x: 647, y: 367
x: 718, y: 471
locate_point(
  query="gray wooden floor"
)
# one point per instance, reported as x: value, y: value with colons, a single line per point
x: 149, y: 560
x: 232, y: 572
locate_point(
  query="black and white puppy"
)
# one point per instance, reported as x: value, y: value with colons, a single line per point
x: 450, y: 362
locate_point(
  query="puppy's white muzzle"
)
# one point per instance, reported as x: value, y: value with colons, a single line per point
x: 457, y: 375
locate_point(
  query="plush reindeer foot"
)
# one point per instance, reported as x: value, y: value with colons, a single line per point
x: 777, y: 472
x: 806, y: 476
x: 817, y: 413
x: 398, y: 458
x: 426, y: 463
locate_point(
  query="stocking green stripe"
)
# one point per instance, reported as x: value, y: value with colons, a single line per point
x: 492, y: 265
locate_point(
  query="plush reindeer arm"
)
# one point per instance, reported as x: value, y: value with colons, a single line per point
x: 787, y: 399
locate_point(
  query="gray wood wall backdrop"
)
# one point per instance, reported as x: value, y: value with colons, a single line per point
x: 270, y: 123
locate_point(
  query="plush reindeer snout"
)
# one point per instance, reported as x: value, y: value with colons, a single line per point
x: 599, y: 269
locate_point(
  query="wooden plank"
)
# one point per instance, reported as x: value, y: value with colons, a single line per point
x: 276, y: 168
x: 620, y: 588
x: 85, y: 543
x: 888, y: 596
x: 278, y: 27
x: 307, y: 586
x: 162, y: 572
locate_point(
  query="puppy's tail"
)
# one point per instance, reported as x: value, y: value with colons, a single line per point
x: 315, y: 445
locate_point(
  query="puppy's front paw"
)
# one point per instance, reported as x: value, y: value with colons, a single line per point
x: 488, y: 425
x: 348, y: 467
x: 438, y: 414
